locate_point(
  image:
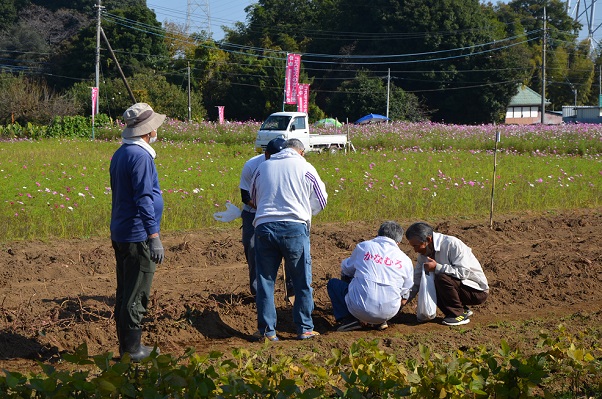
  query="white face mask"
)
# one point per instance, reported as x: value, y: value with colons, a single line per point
x: 152, y: 138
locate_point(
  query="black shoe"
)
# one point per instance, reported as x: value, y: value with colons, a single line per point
x: 467, y: 312
x: 456, y: 320
x: 349, y: 324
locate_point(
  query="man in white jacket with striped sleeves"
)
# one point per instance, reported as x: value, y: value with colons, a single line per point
x: 287, y: 191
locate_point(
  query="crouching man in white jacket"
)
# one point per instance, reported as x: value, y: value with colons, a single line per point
x: 381, y: 277
x: 459, y: 277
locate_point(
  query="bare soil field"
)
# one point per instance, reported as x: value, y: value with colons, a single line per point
x: 543, y: 270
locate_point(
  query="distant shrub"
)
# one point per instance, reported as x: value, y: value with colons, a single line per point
x: 69, y: 126
x: 16, y: 131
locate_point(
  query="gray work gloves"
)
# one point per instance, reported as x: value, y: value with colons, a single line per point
x: 157, y: 253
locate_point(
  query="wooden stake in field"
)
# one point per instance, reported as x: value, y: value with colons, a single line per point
x: 497, y: 140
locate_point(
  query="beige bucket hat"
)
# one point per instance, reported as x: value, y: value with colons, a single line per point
x: 140, y: 119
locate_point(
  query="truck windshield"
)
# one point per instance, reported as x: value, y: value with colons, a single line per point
x: 276, y: 122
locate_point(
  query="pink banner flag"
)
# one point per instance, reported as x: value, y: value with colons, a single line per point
x: 94, y: 101
x: 220, y: 111
x: 291, y: 79
x: 303, y: 98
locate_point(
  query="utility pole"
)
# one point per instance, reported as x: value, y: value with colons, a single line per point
x: 125, y: 82
x: 189, y: 101
x: 95, y: 97
x: 543, y: 69
x: 97, y: 81
x: 388, y: 90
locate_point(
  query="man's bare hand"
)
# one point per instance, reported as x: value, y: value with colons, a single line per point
x: 430, y: 265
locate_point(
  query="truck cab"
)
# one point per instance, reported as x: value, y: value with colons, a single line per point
x: 295, y: 125
x: 287, y: 125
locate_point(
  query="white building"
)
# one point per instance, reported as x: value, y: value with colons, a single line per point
x: 525, y: 109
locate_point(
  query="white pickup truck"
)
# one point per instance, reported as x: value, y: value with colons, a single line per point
x: 295, y: 125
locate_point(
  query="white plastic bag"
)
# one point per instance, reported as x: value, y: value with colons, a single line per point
x: 232, y: 212
x: 426, y: 309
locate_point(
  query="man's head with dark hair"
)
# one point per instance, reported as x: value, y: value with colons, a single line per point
x: 420, y: 237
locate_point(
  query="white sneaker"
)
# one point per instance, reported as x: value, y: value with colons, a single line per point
x: 381, y: 326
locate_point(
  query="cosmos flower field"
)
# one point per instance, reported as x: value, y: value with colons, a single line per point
x: 60, y: 187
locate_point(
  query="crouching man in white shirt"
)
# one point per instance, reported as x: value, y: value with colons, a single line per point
x: 375, y: 281
x: 459, y: 277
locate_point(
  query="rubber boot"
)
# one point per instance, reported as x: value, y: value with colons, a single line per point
x: 131, y: 344
x: 119, y: 340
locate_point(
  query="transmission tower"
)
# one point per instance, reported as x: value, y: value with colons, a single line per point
x: 198, y: 17
x: 583, y: 11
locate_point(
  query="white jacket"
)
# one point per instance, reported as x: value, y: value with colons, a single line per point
x: 287, y: 188
x: 248, y: 170
x: 455, y: 258
x: 382, y: 277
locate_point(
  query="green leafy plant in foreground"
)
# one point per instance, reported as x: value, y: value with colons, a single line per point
x: 576, y: 365
x: 364, y: 371
x: 367, y: 371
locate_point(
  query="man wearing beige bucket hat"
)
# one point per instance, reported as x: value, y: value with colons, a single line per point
x: 137, y: 206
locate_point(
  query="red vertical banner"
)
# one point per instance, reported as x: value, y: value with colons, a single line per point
x: 220, y: 112
x: 94, y: 106
x: 291, y: 78
x: 94, y: 101
x: 303, y: 98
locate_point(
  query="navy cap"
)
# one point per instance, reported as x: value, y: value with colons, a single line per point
x: 275, y: 145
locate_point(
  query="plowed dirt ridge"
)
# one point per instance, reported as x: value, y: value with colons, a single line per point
x: 543, y: 270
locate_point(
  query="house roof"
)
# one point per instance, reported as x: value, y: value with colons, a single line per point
x: 525, y: 97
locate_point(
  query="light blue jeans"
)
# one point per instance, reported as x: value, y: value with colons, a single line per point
x: 273, y: 242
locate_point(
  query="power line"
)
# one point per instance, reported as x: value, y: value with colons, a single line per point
x: 224, y: 47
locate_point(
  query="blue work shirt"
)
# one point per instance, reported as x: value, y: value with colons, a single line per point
x: 137, y: 204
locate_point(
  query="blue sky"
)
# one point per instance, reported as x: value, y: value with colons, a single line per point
x: 228, y: 12
x: 222, y: 12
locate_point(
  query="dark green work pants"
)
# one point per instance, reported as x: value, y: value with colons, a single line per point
x: 135, y: 271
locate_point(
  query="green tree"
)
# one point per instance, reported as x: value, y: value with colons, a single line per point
x: 9, y: 11
x: 253, y: 86
x: 561, y: 26
x: 562, y: 31
x: 596, y: 88
x: 32, y: 42
x: 134, y: 34
x: 211, y: 71
x: 464, y: 80
x: 570, y: 75
x: 364, y: 95
x: 177, y: 43
x: 148, y: 87
x: 434, y: 49
x: 288, y: 24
